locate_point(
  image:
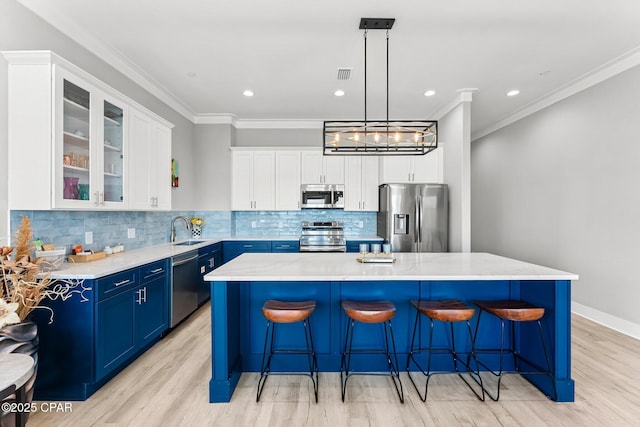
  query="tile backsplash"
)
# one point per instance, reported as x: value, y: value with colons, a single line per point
x: 263, y: 223
x: 67, y: 228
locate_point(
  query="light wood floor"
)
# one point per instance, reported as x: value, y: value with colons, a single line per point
x: 168, y: 386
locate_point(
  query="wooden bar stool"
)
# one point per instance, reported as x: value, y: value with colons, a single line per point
x: 287, y: 312
x: 373, y: 312
x: 512, y: 311
x: 448, y: 311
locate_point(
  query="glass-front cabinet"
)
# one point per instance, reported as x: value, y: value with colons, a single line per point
x: 113, y: 146
x: 75, y: 143
x: 90, y: 158
x: 76, y: 146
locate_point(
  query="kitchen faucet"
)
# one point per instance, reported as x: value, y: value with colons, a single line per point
x: 173, y: 226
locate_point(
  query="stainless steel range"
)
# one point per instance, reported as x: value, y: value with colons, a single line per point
x: 318, y: 236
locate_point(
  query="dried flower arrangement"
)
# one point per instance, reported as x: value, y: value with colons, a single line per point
x: 22, y: 286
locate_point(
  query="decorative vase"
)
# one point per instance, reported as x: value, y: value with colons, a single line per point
x: 196, y: 231
x: 70, y: 187
x: 22, y: 338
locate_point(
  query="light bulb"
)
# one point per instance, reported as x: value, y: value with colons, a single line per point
x: 397, y: 137
x: 416, y: 137
x: 376, y: 137
x: 337, y: 137
x: 356, y: 136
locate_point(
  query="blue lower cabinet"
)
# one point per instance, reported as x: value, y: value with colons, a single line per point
x: 235, y: 248
x: 127, y: 322
x: 285, y: 246
x: 209, y: 258
x: 96, y: 334
x: 115, y: 332
x: 152, y: 304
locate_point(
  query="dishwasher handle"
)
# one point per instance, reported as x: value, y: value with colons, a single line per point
x: 184, y: 261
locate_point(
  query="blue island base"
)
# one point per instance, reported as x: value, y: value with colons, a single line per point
x: 238, y: 327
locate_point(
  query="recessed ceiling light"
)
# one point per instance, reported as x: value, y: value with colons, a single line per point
x: 430, y: 93
x: 247, y: 93
x: 339, y: 93
x: 513, y: 92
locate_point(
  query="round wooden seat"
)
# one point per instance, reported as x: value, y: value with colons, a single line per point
x: 287, y: 311
x: 445, y: 311
x: 514, y: 310
x: 369, y: 311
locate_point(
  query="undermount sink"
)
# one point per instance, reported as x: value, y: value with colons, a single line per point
x: 189, y: 243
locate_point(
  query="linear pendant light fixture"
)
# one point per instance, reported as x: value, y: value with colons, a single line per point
x: 379, y: 137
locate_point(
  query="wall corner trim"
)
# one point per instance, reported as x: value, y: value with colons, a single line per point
x: 599, y: 74
x: 464, y: 95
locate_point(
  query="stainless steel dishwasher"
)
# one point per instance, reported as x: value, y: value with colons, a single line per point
x: 184, y: 286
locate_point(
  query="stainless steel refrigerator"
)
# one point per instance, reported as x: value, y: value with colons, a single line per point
x: 414, y: 217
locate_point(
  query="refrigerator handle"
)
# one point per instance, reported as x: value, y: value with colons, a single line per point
x: 416, y: 218
x: 419, y: 223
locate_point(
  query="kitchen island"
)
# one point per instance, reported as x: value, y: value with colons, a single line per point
x: 239, y: 288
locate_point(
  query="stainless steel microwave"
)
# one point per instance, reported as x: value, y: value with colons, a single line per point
x: 322, y: 196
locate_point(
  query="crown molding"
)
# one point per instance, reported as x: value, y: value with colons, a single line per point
x: 279, y: 124
x: 215, y: 119
x: 598, y: 75
x: 51, y: 59
x: 108, y: 54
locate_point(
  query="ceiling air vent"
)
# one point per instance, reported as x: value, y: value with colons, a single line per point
x: 344, y: 73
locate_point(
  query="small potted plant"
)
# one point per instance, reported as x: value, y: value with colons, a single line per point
x: 196, y: 227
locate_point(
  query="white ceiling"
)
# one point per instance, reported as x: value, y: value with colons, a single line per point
x: 203, y: 54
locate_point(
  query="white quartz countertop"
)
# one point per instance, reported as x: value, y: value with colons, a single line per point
x: 408, y: 266
x: 136, y: 257
x: 124, y: 260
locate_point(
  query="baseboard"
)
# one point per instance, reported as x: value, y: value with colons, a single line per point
x: 613, y: 322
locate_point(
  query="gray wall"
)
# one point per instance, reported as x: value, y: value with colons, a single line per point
x: 212, y: 165
x: 279, y: 138
x: 560, y: 188
x: 20, y: 29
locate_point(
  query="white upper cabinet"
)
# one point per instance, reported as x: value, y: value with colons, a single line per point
x: 320, y: 169
x: 252, y: 180
x: 361, y: 183
x: 287, y: 176
x: 149, y: 163
x: 69, y: 130
x: 370, y: 182
x: 405, y: 169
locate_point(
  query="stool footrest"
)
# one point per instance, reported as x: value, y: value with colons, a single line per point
x: 457, y: 360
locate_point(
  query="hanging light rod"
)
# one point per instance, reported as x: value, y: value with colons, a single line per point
x: 379, y: 137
